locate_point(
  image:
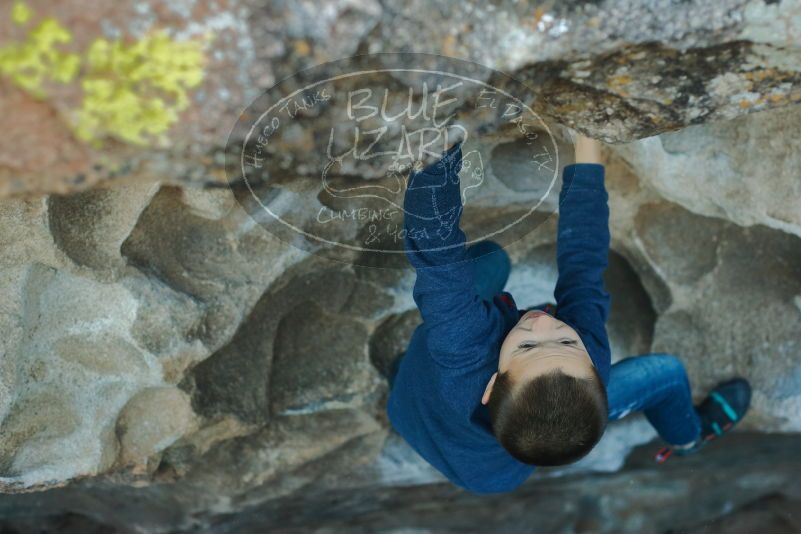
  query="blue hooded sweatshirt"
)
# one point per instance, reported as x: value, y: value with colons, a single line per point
x: 435, y: 402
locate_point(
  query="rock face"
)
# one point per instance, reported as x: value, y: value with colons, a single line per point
x: 709, y: 169
x: 617, y: 69
x: 170, y: 362
x: 647, y: 499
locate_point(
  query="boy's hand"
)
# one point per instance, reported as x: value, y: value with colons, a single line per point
x: 587, y: 150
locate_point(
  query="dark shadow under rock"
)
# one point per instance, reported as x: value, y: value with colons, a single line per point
x: 307, y: 330
x: 64, y: 523
x: 391, y: 338
x: 235, y: 379
x: 318, y: 357
x: 773, y: 514
x: 648, y: 497
x: 631, y: 316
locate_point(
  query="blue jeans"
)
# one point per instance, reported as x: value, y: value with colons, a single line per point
x: 655, y: 384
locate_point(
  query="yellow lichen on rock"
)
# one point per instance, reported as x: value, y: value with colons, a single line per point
x: 30, y: 62
x: 133, y: 92
x: 20, y: 13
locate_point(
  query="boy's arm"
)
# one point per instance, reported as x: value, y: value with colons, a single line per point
x: 582, y: 252
x: 458, y: 321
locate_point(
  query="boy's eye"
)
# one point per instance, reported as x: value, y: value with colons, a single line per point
x: 568, y: 342
x: 527, y: 345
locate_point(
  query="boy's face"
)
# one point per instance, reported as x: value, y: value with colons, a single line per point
x: 538, y: 344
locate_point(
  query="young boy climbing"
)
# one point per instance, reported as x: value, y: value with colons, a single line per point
x: 486, y: 391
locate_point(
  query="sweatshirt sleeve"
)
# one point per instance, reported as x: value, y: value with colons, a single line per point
x: 458, y: 320
x: 582, y: 252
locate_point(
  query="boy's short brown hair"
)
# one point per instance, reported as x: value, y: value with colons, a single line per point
x: 554, y: 419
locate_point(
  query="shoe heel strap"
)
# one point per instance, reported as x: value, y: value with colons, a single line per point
x: 725, y: 405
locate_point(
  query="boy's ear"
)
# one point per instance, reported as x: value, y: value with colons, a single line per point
x: 488, y: 389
